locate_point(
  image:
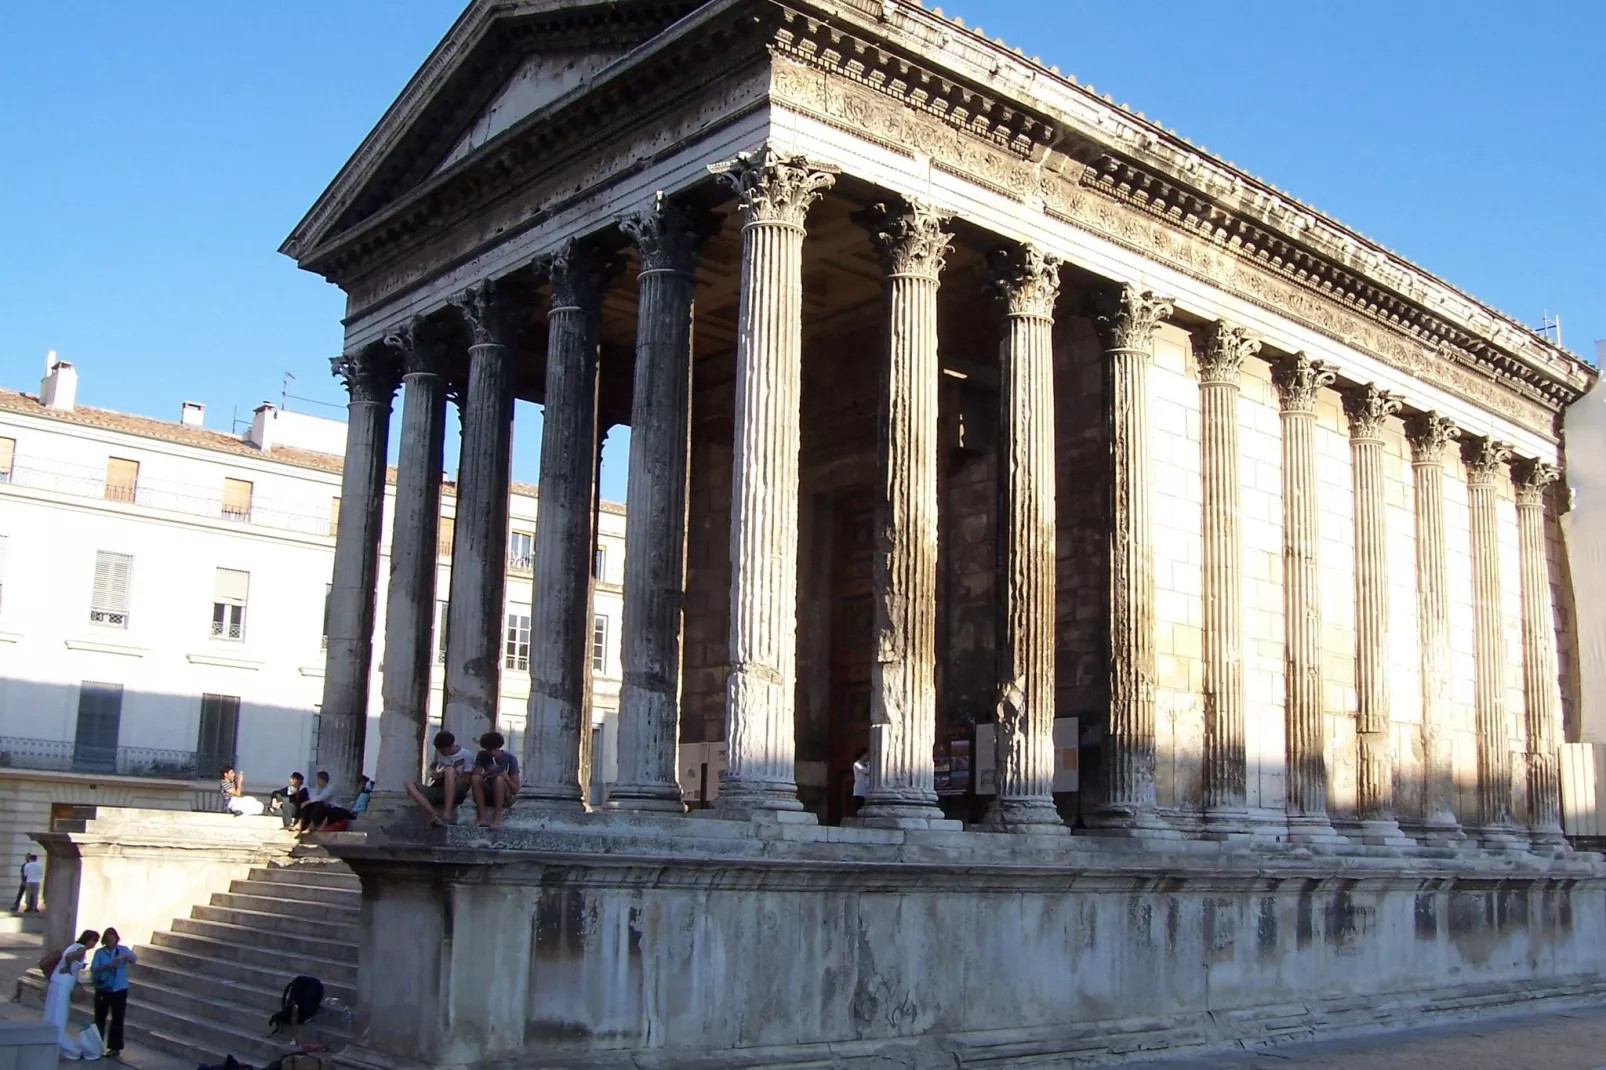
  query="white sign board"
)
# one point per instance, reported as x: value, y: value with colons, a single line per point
x: 1067, y: 733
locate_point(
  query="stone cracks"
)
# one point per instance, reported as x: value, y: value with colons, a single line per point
x: 1486, y: 460
x: 1541, y: 701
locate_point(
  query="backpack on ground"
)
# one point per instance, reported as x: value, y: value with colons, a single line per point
x: 301, y: 1000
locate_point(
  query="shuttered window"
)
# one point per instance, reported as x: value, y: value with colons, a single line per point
x: 440, y: 631
x: 108, y: 602
x: 122, y: 479
x: 599, y: 564
x: 215, y: 744
x: 599, y: 643
x: 8, y: 453
x: 517, y: 652
x: 334, y: 516
x: 4, y: 543
x: 230, y: 589
x: 444, y: 547
x: 100, y: 716
x: 237, y: 499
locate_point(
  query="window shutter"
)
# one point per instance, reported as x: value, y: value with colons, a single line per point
x: 236, y: 497
x: 231, y: 586
x: 334, y: 516
x: 448, y: 529
x: 122, y: 477
x: 113, y: 574
x: 8, y: 453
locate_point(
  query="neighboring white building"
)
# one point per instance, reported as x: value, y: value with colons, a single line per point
x: 161, y: 603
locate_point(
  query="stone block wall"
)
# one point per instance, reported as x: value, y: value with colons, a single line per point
x: 707, y: 651
x: 1336, y: 548
x: 1260, y: 491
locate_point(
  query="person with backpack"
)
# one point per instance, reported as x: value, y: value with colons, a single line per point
x: 62, y: 968
x: 108, y: 971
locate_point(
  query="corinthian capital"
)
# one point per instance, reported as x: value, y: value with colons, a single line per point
x: 420, y: 345
x: 1484, y: 458
x: 911, y: 237
x: 580, y: 272
x: 1298, y: 380
x: 667, y: 236
x: 1226, y: 348
x: 494, y: 311
x: 1027, y: 279
x: 1129, y: 316
x: 775, y: 187
x: 370, y: 374
x: 1367, y: 408
x: 1532, y: 477
x: 1429, y: 433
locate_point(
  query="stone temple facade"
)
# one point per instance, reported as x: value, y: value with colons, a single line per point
x: 985, y: 425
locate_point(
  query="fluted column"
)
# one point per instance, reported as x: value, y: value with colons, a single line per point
x: 410, y: 603
x: 1486, y: 468
x: 493, y: 311
x: 903, y: 688
x: 1368, y: 409
x: 666, y: 238
x: 1129, y: 319
x: 1429, y: 434
x: 1539, y: 673
x: 370, y: 376
x: 1298, y: 380
x: 776, y: 192
x: 1220, y: 363
x: 559, y: 722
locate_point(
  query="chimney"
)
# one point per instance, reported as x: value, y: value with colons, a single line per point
x: 59, y: 388
x: 192, y: 414
x: 261, y: 433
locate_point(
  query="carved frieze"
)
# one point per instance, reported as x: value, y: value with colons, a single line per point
x: 666, y: 236
x: 911, y: 237
x: 494, y: 311
x: 1027, y: 280
x: 1532, y: 477
x: 1429, y: 433
x: 420, y: 345
x: 1298, y: 380
x: 371, y: 374
x: 1226, y: 347
x: 1484, y: 457
x: 775, y: 187
x: 1368, y: 409
x: 580, y: 272
x: 1129, y: 316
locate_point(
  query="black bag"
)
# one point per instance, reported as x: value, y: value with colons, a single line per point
x: 301, y: 1000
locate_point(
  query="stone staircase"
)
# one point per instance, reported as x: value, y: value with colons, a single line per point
x: 205, y: 988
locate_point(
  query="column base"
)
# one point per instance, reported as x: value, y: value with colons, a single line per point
x: 1379, y: 832
x: 1502, y: 839
x: 1549, y: 843
x: 1315, y: 831
x: 775, y: 802
x: 903, y: 812
x: 1228, y: 824
x: 645, y: 798
x: 1129, y: 822
x: 1033, y: 817
x: 1439, y: 833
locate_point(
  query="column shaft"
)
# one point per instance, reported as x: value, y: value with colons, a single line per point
x: 1129, y: 322
x: 1539, y: 673
x: 1225, y: 770
x: 565, y: 538
x: 760, y: 773
x: 410, y: 603
x: 370, y: 378
x: 474, y: 616
x: 1486, y: 461
x: 903, y: 695
x: 1429, y: 434
x: 1298, y: 380
x: 655, y: 540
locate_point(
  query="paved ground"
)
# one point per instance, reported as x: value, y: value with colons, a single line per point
x: 1575, y: 1040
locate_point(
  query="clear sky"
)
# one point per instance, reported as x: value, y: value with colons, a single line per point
x: 153, y: 155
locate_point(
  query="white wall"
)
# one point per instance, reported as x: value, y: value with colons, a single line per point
x: 1585, y: 531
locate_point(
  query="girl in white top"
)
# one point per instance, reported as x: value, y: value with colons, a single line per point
x: 58, y: 997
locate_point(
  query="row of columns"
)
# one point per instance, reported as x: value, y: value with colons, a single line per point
x: 775, y: 193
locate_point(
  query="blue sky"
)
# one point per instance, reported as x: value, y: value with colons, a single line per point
x: 154, y: 154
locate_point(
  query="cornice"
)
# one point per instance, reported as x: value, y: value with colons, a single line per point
x: 897, y: 47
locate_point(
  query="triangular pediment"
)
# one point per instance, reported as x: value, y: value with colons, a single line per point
x: 502, y: 61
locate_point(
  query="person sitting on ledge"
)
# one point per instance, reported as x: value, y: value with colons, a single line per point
x: 495, y: 780
x: 232, y: 783
x: 448, y: 781
x: 316, y: 810
x: 288, y: 800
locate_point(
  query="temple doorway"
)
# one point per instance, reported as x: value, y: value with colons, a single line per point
x: 852, y: 645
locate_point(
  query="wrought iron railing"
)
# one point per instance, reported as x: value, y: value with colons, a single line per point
x: 68, y: 756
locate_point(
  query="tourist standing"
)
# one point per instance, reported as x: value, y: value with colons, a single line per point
x: 861, y: 780
x: 63, y: 971
x: 22, y: 885
x: 109, y: 973
x: 33, y: 876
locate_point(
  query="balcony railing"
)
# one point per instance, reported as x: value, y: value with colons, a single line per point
x: 66, y: 756
x: 84, y: 481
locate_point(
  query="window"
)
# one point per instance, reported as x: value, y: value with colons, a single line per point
x: 229, y: 592
x: 237, y: 499
x: 122, y: 477
x: 440, y: 631
x: 443, y: 541
x: 3, y: 545
x: 599, y: 643
x: 8, y: 453
x: 521, y: 551
x: 328, y: 593
x: 517, y: 655
x: 599, y: 563
x: 334, y: 516
x: 220, y: 729
x: 108, y: 602
x: 598, y: 740
x: 100, y: 715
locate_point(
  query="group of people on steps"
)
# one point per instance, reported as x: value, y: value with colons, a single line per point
x: 107, y: 961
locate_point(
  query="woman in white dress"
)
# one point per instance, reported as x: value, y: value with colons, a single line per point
x: 58, y: 997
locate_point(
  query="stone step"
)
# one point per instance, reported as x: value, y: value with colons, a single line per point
x: 232, y: 1004
x: 22, y: 923
x: 320, y: 957
x: 267, y: 929
x: 198, y: 1035
x: 271, y: 914
x: 297, y: 894
x: 280, y: 907
x: 169, y: 966
x: 327, y: 875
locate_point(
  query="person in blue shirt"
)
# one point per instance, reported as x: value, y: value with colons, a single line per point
x: 109, y: 972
